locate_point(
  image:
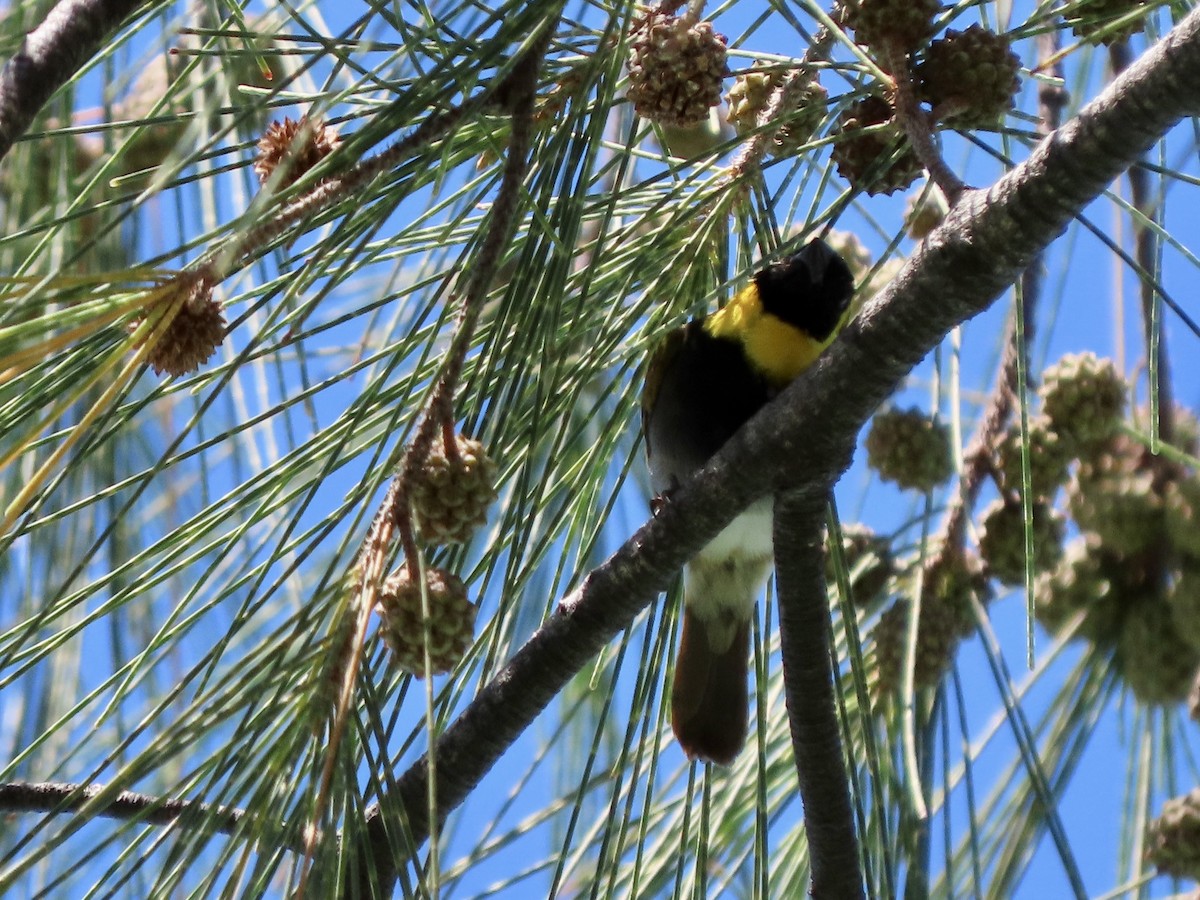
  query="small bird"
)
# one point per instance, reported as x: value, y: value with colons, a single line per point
x: 704, y: 381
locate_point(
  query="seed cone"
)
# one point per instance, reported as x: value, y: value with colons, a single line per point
x: 1083, y: 397
x: 676, y: 68
x: 904, y: 24
x: 194, y: 334
x: 1002, y: 544
x: 909, y: 448
x: 451, y: 621
x: 1173, y: 839
x: 971, y: 76
x: 296, y: 146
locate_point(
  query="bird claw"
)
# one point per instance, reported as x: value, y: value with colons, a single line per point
x: 660, y: 500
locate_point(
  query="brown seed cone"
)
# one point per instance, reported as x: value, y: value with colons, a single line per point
x: 1083, y: 397
x: 938, y: 635
x: 924, y: 211
x: 451, y: 621
x: 1181, y: 508
x: 869, y: 562
x: 937, y: 638
x: 879, y: 162
x: 1156, y: 662
x: 956, y: 579
x: 1183, y: 596
x: 297, y: 147
x: 946, y: 619
x: 1086, y: 579
x: 1099, y: 21
x: 749, y: 96
x: 451, y: 492
x: 1173, y: 839
x: 801, y: 122
x: 970, y: 75
x: 193, y: 335
x: 909, y: 448
x: 1185, y: 429
x: 1049, y: 461
x: 676, y: 68
x: 1113, y: 495
x: 904, y: 24
x: 1002, y: 544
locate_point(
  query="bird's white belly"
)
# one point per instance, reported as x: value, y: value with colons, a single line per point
x: 749, y: 535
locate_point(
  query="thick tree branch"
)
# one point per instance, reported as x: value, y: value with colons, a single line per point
x: 50, y: 55
x: 808, y: 674
x: 804, y: 440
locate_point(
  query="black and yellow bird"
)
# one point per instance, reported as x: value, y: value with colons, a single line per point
x: 703, y: 383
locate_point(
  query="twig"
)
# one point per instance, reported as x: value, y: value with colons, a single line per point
x: 917, y: 125
x: 71, y: 34
x: 393, y: 513
x: 523, y: 82
x: 439, y: 412
x: 438, y: 416
x: 808, y: 680
x: 369, y: 569
x: 228, y: 257
x: 785, y: 96
x: 58, y: 797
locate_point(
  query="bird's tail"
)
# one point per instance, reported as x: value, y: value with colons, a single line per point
x: 709, y: 705
x: 709, y: 698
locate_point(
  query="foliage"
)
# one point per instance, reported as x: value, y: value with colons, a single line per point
x: 187, y: 552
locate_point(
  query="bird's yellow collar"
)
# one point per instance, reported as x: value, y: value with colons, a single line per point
x: 776, y: 349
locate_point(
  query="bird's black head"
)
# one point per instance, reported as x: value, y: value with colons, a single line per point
x: 810, y: 289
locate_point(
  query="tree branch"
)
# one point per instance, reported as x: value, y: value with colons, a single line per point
x: 50, y: 55
x: 520, y: 91
x: 918, y: 125
x: 805, y: 438
x: 56, y: 797
x: 808, y: 674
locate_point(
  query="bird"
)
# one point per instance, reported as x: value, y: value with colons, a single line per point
x: 704, y: 381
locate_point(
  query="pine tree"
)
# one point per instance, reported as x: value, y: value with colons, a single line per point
x: 308, y: 312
